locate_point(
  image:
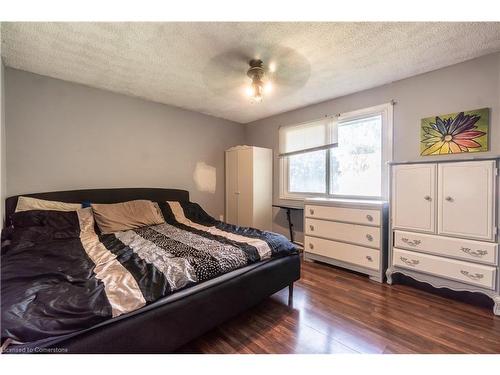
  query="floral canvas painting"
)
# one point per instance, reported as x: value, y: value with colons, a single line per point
x: 455, y: 133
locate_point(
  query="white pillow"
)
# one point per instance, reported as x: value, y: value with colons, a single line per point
x: 27, y: 203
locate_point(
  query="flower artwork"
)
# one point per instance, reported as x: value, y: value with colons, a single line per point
x: 455, y: 133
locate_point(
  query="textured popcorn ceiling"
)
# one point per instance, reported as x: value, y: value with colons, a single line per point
x: 202, y: 66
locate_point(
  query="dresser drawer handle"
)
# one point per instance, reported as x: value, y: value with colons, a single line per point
x: 369, y: 217
x: 311, y: 211
x: 410, y: 262
x: 369, y: 237
x: 477, y: 253
x: 311, y: 227
x: 412, y: 243
x: 311, y: 246
x: 428, y: 198
x: 370, y: 259
x: 475, y: 276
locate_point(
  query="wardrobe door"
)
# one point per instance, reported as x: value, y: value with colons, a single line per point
x: 413, y: 197
x: 466, y: 199
x: 231, y: 187
x: 245, y: 187
x: 262, y: 188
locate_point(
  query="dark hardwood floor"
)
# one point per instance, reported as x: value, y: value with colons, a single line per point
x: 336, y: 311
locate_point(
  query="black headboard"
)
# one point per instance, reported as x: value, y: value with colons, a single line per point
x: 102, y: 196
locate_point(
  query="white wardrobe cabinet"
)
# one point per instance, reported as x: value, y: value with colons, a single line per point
x: 249, y: 187
x: 443, y: 226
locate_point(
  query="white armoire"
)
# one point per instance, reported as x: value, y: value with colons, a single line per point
x: 444, y: 225
x: 249, y: 187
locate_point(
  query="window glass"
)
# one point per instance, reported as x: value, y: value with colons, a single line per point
x: 356, y: 164
x: 307, y: 172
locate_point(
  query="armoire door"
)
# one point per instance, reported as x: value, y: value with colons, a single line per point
x: 232, y: 187
x: 413, y: 197
x: 466, y: 196
x: 245, y: 187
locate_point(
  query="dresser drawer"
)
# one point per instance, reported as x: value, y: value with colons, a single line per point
x: 476, y: 251
x: 358, y: 234
x: 470, y: 273
x: 361, y: 256
x: 350, y: 215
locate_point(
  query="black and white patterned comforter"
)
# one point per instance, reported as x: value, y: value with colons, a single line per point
x: 59, y: 276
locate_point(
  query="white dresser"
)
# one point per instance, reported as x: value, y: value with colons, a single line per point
x: 347, y: 233
x: 443, y: 225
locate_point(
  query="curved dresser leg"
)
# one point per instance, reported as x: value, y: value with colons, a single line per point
x: 388, y: 274
x: 496, y: 306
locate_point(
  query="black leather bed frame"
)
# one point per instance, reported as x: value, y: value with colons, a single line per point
x: 175, y: 320
x: 102, y: 196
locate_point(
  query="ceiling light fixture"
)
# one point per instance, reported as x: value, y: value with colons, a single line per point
x: 258, y: 85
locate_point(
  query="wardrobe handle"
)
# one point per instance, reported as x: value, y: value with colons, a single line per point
x: 475, y: 276
x: 410, y: 262
x: 449, y: 199
x: 369, y: 217
x: 474, y: 253
x: 411, y: 242
x: 428, y: 198
x: 369, y: 237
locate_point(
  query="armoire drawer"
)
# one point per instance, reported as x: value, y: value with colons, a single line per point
x: 361, y: 256
x: 350, y: 215
x: 470, y: 273
x: 358, y: 234
x: 475, y: 251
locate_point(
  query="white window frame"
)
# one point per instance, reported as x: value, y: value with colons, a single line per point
x: 386, y: 111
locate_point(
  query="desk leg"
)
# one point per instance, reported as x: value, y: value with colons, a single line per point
x: 290, y: 225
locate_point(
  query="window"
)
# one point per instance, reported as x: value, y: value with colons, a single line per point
x: 304, y: 148
x: 337, y: 157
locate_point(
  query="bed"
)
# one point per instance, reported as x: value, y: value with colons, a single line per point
x: 164, y: 324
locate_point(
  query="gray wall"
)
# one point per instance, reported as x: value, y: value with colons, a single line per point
x: 469, y: 85
x: 63, y: 135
